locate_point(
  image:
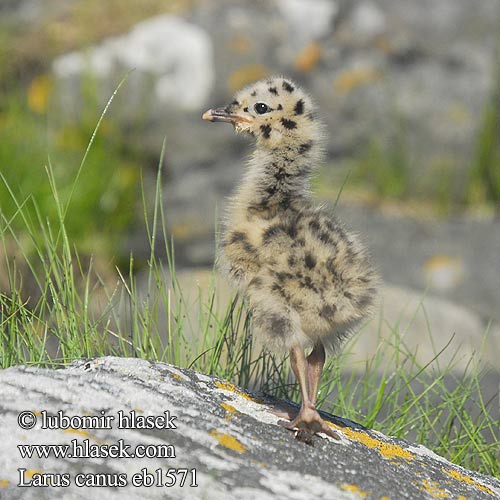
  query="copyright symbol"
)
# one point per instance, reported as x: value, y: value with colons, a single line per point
x: 26, y: 420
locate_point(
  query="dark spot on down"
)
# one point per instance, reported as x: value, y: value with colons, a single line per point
x: 279, y: 325
x: 324, y: 237
x: 285, y: 202
x: 256, y: 282
x: 327, y: 311
x: 288, y: 86
x: 291, y: 230
x: 299, y: 107
x: 283, y: 276
x: 310, y: 260
x: 237, y: 236
x: 271, y: 190
x: 304, y: 148
x: 271, y: 232
x: 314, y: 225
x: 280, y: 174
x: 241, y: 238
x: 366, y: 299
x: 290, y: 124
x: 282, y: 292
x: 307, y: 282
x: 254, y: 93
x: 266, y: 130
x: 280, y: 107
x: 273, y: 90
x: 245, y: 110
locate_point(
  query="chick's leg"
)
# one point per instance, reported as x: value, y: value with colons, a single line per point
x: 315, y: 363
x: 308, y: 422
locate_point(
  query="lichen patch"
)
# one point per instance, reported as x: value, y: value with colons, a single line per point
x: 387, y: 450
x: 79, y: 432
x: 467, y: 480
x: 228, y: 386
x: 433, y: 489
x: 352, y: 488
x: 228, y: 441
x: 230, y: 410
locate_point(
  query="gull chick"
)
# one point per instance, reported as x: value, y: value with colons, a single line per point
x: 307, y: 280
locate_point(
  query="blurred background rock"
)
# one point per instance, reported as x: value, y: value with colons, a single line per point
x: 410, y: 92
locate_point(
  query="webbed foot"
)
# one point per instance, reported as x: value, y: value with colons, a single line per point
x: 308, y: 423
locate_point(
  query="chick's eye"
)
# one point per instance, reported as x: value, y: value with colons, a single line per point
x: 261, y: 108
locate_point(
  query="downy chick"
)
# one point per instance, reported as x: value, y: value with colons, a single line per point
x: 308, y: 281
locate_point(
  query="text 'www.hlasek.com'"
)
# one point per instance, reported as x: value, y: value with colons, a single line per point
x: 86, y: 446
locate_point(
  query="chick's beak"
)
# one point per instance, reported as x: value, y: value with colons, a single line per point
x: 221, y: 115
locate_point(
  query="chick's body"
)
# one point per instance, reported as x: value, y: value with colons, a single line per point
x: 308, y: 281
x: 305, y: 277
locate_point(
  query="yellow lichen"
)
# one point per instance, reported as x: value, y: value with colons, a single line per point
x: 227, y: 441
x: 79, y: 432
x: 432, y: 488
x: 387, y: 450
x: 308, y: 57
x: 385, y: 498
x: 4, y: 483
x: 176, y: 376
x: 467, y: 480
x: 31, y: 472
x: 262, y: 465
x: 227, y: 386
x: 350, y: 79
x: 352, y: 488
x: 230, y: 410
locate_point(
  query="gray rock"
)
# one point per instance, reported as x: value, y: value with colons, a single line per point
x: 455, y: 259
x: 367, y: 21
x: 227, y: 435
x: 428, y: 327
x: 320, y: 15
x: 171, y: 59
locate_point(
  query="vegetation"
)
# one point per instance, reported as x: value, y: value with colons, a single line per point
x: 97, y: 213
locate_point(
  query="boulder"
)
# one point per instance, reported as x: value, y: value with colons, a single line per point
x: 170, y: 59
x: 226, y: 440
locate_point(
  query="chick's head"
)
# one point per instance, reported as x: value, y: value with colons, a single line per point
x: 275, y: 111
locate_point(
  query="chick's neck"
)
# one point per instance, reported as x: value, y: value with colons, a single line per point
x: 280, y: 176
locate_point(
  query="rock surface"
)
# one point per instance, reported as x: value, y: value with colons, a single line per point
x: 455, y: 259
x: 227, y: 435
x: 171, y: 60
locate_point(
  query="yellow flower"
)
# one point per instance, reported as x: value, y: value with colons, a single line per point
x: 39, y: 92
